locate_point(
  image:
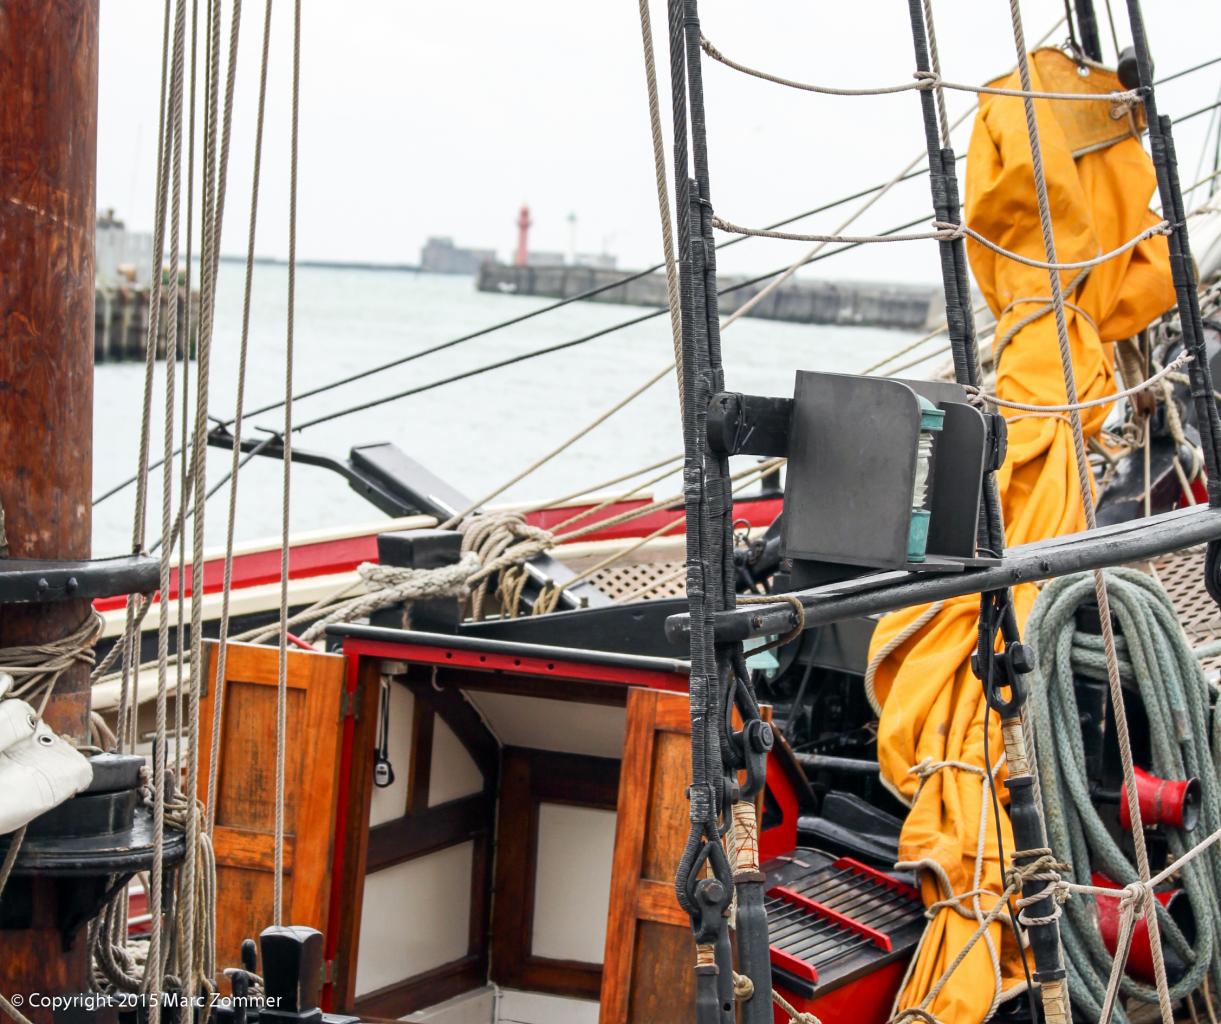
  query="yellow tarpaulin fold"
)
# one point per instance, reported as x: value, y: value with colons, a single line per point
x: 932, y: 707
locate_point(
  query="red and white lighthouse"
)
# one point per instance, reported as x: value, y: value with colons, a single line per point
x: 523, y: 234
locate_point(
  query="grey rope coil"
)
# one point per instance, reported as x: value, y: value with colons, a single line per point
x: 1153, y: 655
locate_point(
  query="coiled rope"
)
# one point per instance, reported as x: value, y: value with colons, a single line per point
x: 1155, y: 656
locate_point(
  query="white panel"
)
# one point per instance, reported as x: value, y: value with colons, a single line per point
x: 453, y: 773
x: 545, y: 724
x: 416, y: 917
x: 475, y: 1007
x: 536, y: 1008
x: 390, y: 803
x: 572, y: 887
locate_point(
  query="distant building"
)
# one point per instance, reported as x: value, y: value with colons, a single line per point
x: 598, y: 260
x: 123, y: 257
x: 441, y: 256
x: 546, y: 259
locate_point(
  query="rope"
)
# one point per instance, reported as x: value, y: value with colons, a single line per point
x: 1154, y: 656
x: 946, y: 231
x: 1093, y: 403
x: 389, y: 584
x: 282, y: 680
x: 892, y: 645
x: 922, y: 81
x: 173, y: 140
x: 36, y: 668
x: 1087, y: 501
x: 942, y: 234
x: 1163, y: 227
x: 457, y: 517
x: 663, y: 195
x: 222, y: 652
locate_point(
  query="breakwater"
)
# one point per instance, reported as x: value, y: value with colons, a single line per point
x: 121, y: 318
x: 910, y: 307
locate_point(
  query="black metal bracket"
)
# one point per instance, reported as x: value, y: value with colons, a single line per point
x: 749, y: 424
x: 36, y: 580
x: 886, y: 592
x: 396, y: 484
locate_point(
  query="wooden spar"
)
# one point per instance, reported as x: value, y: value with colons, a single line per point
x: 48, y: 152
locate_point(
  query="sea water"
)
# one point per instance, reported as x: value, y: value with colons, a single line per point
x: 476, y: 433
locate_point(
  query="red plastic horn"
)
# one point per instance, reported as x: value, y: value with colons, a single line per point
x: 1140, y: 955
x: 1163, y: 801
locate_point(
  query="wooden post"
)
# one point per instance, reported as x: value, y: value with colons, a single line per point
x: 48, y: 155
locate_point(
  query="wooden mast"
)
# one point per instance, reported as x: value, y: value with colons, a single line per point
x: 48, y: 173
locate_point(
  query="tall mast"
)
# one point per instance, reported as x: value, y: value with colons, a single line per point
x: 48, y: 173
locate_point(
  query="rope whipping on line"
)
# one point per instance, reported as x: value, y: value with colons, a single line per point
x: 719, y: 681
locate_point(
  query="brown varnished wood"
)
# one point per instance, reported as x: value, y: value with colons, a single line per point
x: 647, y: 975
x: 356, y: 835
x: 417, y: 833
x: 466, y: 723
x: 396, y: 1001
x: 419, y: 774
x: 245, y: 808
x: 48, y: 157
x: 529, y: 778
x: 423, y: 832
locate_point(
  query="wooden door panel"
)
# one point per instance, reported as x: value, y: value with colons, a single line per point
x: 244, y: 839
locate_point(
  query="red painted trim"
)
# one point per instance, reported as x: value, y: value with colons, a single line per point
x: 790, y: 963
x: 342, y: 810
x: 344, y: 554
x: 865, y: 1000
x: 881, y: 877
x: 780, y: 839
x: 559, y: 668
x: 879, y: 939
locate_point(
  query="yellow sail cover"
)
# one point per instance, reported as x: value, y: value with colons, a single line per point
x: 932, y: 707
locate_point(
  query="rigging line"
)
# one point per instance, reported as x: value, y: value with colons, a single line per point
x: 222, y: 651
x: 139, y: 515
x: 1196, y: 113
x: 911, y: 346
x: 663, y: 195
x: 218, y: 166
x: 597, y: 488
x: 282, y: 682
x: 548, y: 350
x: 153, y: 970
x: 1087, y: 502
x: 921, y: 81
x: 512, y: 321
x: 1187, y: 71
x: 636, y: 392
x: 180, y: 626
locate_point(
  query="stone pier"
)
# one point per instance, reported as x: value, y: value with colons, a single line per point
x: 847, y: 303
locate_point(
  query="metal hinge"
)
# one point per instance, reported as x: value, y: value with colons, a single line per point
x: 349, y: 704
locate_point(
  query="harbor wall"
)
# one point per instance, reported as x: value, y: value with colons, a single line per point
x: 121, y: 316
x: 846, y: 303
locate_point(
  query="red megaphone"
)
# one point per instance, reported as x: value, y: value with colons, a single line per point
x: 1163, y: 801
x: 1140, y: 954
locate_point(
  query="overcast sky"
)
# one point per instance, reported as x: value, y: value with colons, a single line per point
x: 442, y: 118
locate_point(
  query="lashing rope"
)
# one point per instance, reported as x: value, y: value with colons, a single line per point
x: 922, y: 81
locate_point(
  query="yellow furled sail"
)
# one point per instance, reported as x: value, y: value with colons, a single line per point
x: 931, y: 729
